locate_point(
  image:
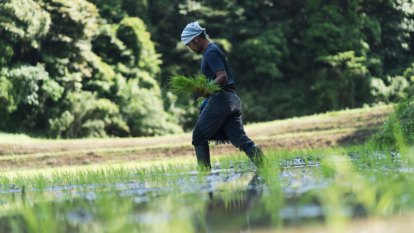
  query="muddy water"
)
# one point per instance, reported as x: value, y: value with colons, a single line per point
x: 237, y: 199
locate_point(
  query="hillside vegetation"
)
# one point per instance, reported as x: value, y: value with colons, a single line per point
x: 99, y: 68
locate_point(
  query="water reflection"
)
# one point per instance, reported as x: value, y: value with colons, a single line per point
x: 232, y: 214
x: 261, y: 205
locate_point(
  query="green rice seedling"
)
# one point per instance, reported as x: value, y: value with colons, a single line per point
x: 56, y: 177
x: 5, y: 180
x: 19, y: 179
x: 82, y: 177
x: 121, y: 173
x: 70, y: 177
x: 182, y: 85
x: 110, y: 172
x: 40, y: 181
x: 94, y: 176
x: 113, y: 171
x: 341, y: 179
x: 102, y: 173
x: 141, y: 172
x: 172, y: 169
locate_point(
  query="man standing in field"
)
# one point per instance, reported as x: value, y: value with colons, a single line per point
x: 220, y: 117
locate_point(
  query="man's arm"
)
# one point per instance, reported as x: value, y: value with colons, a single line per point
x: 215, y: 61
x: 221, y: 77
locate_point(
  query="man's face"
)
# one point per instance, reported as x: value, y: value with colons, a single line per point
x: 193, y: 45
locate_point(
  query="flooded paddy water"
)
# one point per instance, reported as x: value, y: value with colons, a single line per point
x: 332, y: 188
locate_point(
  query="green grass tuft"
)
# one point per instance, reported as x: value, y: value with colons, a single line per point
x: 182, y: 85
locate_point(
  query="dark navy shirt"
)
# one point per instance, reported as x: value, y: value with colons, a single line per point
x: 213, y: 61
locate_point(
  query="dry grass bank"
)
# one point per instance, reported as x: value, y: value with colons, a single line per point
x: 325, y: 130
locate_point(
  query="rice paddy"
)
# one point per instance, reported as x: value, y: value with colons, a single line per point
x: 314, y: 180
x: 317, y: 189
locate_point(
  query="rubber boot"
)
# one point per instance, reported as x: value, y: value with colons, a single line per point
x: 203, y: 156
x: 256, y: 155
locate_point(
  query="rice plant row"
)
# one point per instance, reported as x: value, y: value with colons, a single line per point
x: 331, y: 186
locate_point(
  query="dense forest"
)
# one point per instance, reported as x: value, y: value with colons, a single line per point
x: 71, y: 69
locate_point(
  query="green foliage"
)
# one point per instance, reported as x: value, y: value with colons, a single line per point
x: 263, y: 54
x: 193, y: 85
x: 61, y: 124
x: 110, y: 10
x: 22, y: 24
x: 25, y: 82
x: 394, y: 92
x: 66, y: 73
x: 343, y: 82
x: 336, y: 27
x: 88, y: 116
x: 126, y: 75
x: 24, y: 91
x: 116, y: 11
x: 288, y: 57
x: 143, y: 109
x: 24, y: 18
x: 398, y: 130
x: 132, y: 31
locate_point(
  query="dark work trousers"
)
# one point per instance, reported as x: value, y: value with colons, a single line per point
x: 221, y: 122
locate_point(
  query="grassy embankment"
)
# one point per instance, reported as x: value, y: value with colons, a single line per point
x: 342, y: 128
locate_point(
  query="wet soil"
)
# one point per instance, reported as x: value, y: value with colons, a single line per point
x: 298, y: 133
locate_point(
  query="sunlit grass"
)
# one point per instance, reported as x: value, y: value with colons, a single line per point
x: 6, y: 138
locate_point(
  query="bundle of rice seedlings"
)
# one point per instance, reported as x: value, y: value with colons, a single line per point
x: 182, y: 85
